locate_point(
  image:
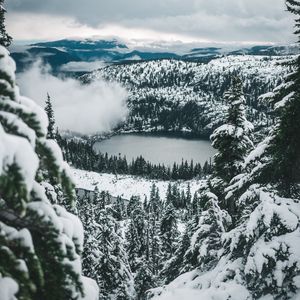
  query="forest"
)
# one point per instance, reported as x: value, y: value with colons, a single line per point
x: 237, y: 237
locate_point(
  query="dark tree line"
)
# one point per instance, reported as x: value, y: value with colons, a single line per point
x: 82, y: 156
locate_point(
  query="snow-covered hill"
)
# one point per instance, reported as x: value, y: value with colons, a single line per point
x: 175, y: 95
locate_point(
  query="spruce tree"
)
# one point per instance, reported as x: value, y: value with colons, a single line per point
x: 233, y: 139
x: 51, y: 120
x: 284, y: 169
x: 169, y: 231
x: 143, y: 281
x: 206, y: 241
x: 5, y: 39
x: 41, y: 242
x: 136, y: 236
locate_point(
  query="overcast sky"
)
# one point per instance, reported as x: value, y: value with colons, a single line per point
x: 241, y: 21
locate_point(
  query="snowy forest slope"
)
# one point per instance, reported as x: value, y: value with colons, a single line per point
x: 174, y: 95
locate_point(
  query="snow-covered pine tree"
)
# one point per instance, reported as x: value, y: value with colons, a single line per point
x: 51, y: 120
x: 91, y: 250
x: 268, y: 234
x: 154, y: 205
x: 153, y: 253
x: 5, y: 38
x: 206, y: 241
x: 176, y: 265
x: 169, y: 231
x: 136, y: 236
x: 261, y: 258
x: 112, y: 271
x: 144, y: 280
x: 233, y: 139
x: 40, y: 242
x: 284, y: 147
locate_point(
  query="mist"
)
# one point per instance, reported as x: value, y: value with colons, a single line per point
x: 85, y: 109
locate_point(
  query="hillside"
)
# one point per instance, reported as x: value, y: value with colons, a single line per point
x: 182, y: 96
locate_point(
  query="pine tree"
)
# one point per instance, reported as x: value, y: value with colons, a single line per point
x: 232, y: 140
x: 136, y: 236
x: 41, y: 242
x: 284, y: 169
x: 169, y: 231
x: 206, y: 241
x: 5, y: 39
x: 154, y: 205
x: 91, y: 250
x: 176, y: 264
x: 112, y: 271
x: 51, y: 120
x: 143, y: 281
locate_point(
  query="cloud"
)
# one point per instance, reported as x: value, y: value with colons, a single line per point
x: 82, y: 66
x: 85, y: 109
x: 192, y: 20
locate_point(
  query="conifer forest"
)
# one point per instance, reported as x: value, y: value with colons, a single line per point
x: 150, y: 151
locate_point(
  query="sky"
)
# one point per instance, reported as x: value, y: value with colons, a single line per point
x: 207, y: 21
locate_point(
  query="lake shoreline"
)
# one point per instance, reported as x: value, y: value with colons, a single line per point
x: 157, y: 148
x: 172, y: 134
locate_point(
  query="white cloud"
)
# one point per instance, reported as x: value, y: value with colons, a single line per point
x: 256, y: 21
x: 84, y: 109
x: 29, y: 26
x: 82, y: 66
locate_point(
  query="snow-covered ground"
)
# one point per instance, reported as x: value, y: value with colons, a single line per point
x: 125, y: 185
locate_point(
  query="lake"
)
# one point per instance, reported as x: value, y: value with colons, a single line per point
x: 157, y: 149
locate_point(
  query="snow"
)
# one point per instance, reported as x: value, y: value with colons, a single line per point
x: 72, y: 226
x: 21, y: 236
x: 8, y: 288
x: 125, y: 185
x: 38, y: 111
x: 91, y: 289
x: 210, y: 285
x: 7, y: 65
x: 284, y: 101
x: 23, y: 128
x: 18, y: 149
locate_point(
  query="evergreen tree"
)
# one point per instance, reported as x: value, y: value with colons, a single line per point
x: 112, y: 271
x: 260, y: 255
x: 169, y: 231
x: 206, y: 242
x: 136, y: 236
x: 232, y: 140
x: 51, y: 121
x: 40, y: 242
x: 5, y: 39
x: 154, y: 205
x: 143, y: 281
x: 284, y: 168
x: 176, y: 264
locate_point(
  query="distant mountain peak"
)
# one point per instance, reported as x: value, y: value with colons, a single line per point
x: 84, y: 44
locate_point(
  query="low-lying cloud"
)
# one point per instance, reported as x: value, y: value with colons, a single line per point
x: 85, y: 109
x: 82, y: 66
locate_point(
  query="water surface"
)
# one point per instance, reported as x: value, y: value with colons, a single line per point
x: 157, y: 149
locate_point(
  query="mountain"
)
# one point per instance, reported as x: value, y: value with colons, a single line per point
x: 183, y: 96
x: 62, y: 52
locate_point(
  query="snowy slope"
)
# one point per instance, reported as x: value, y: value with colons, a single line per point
x: 124, y: 185
x: 161, y: 91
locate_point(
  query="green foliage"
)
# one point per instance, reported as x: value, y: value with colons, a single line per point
x: 5, y: 39
x: 51, y: 121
